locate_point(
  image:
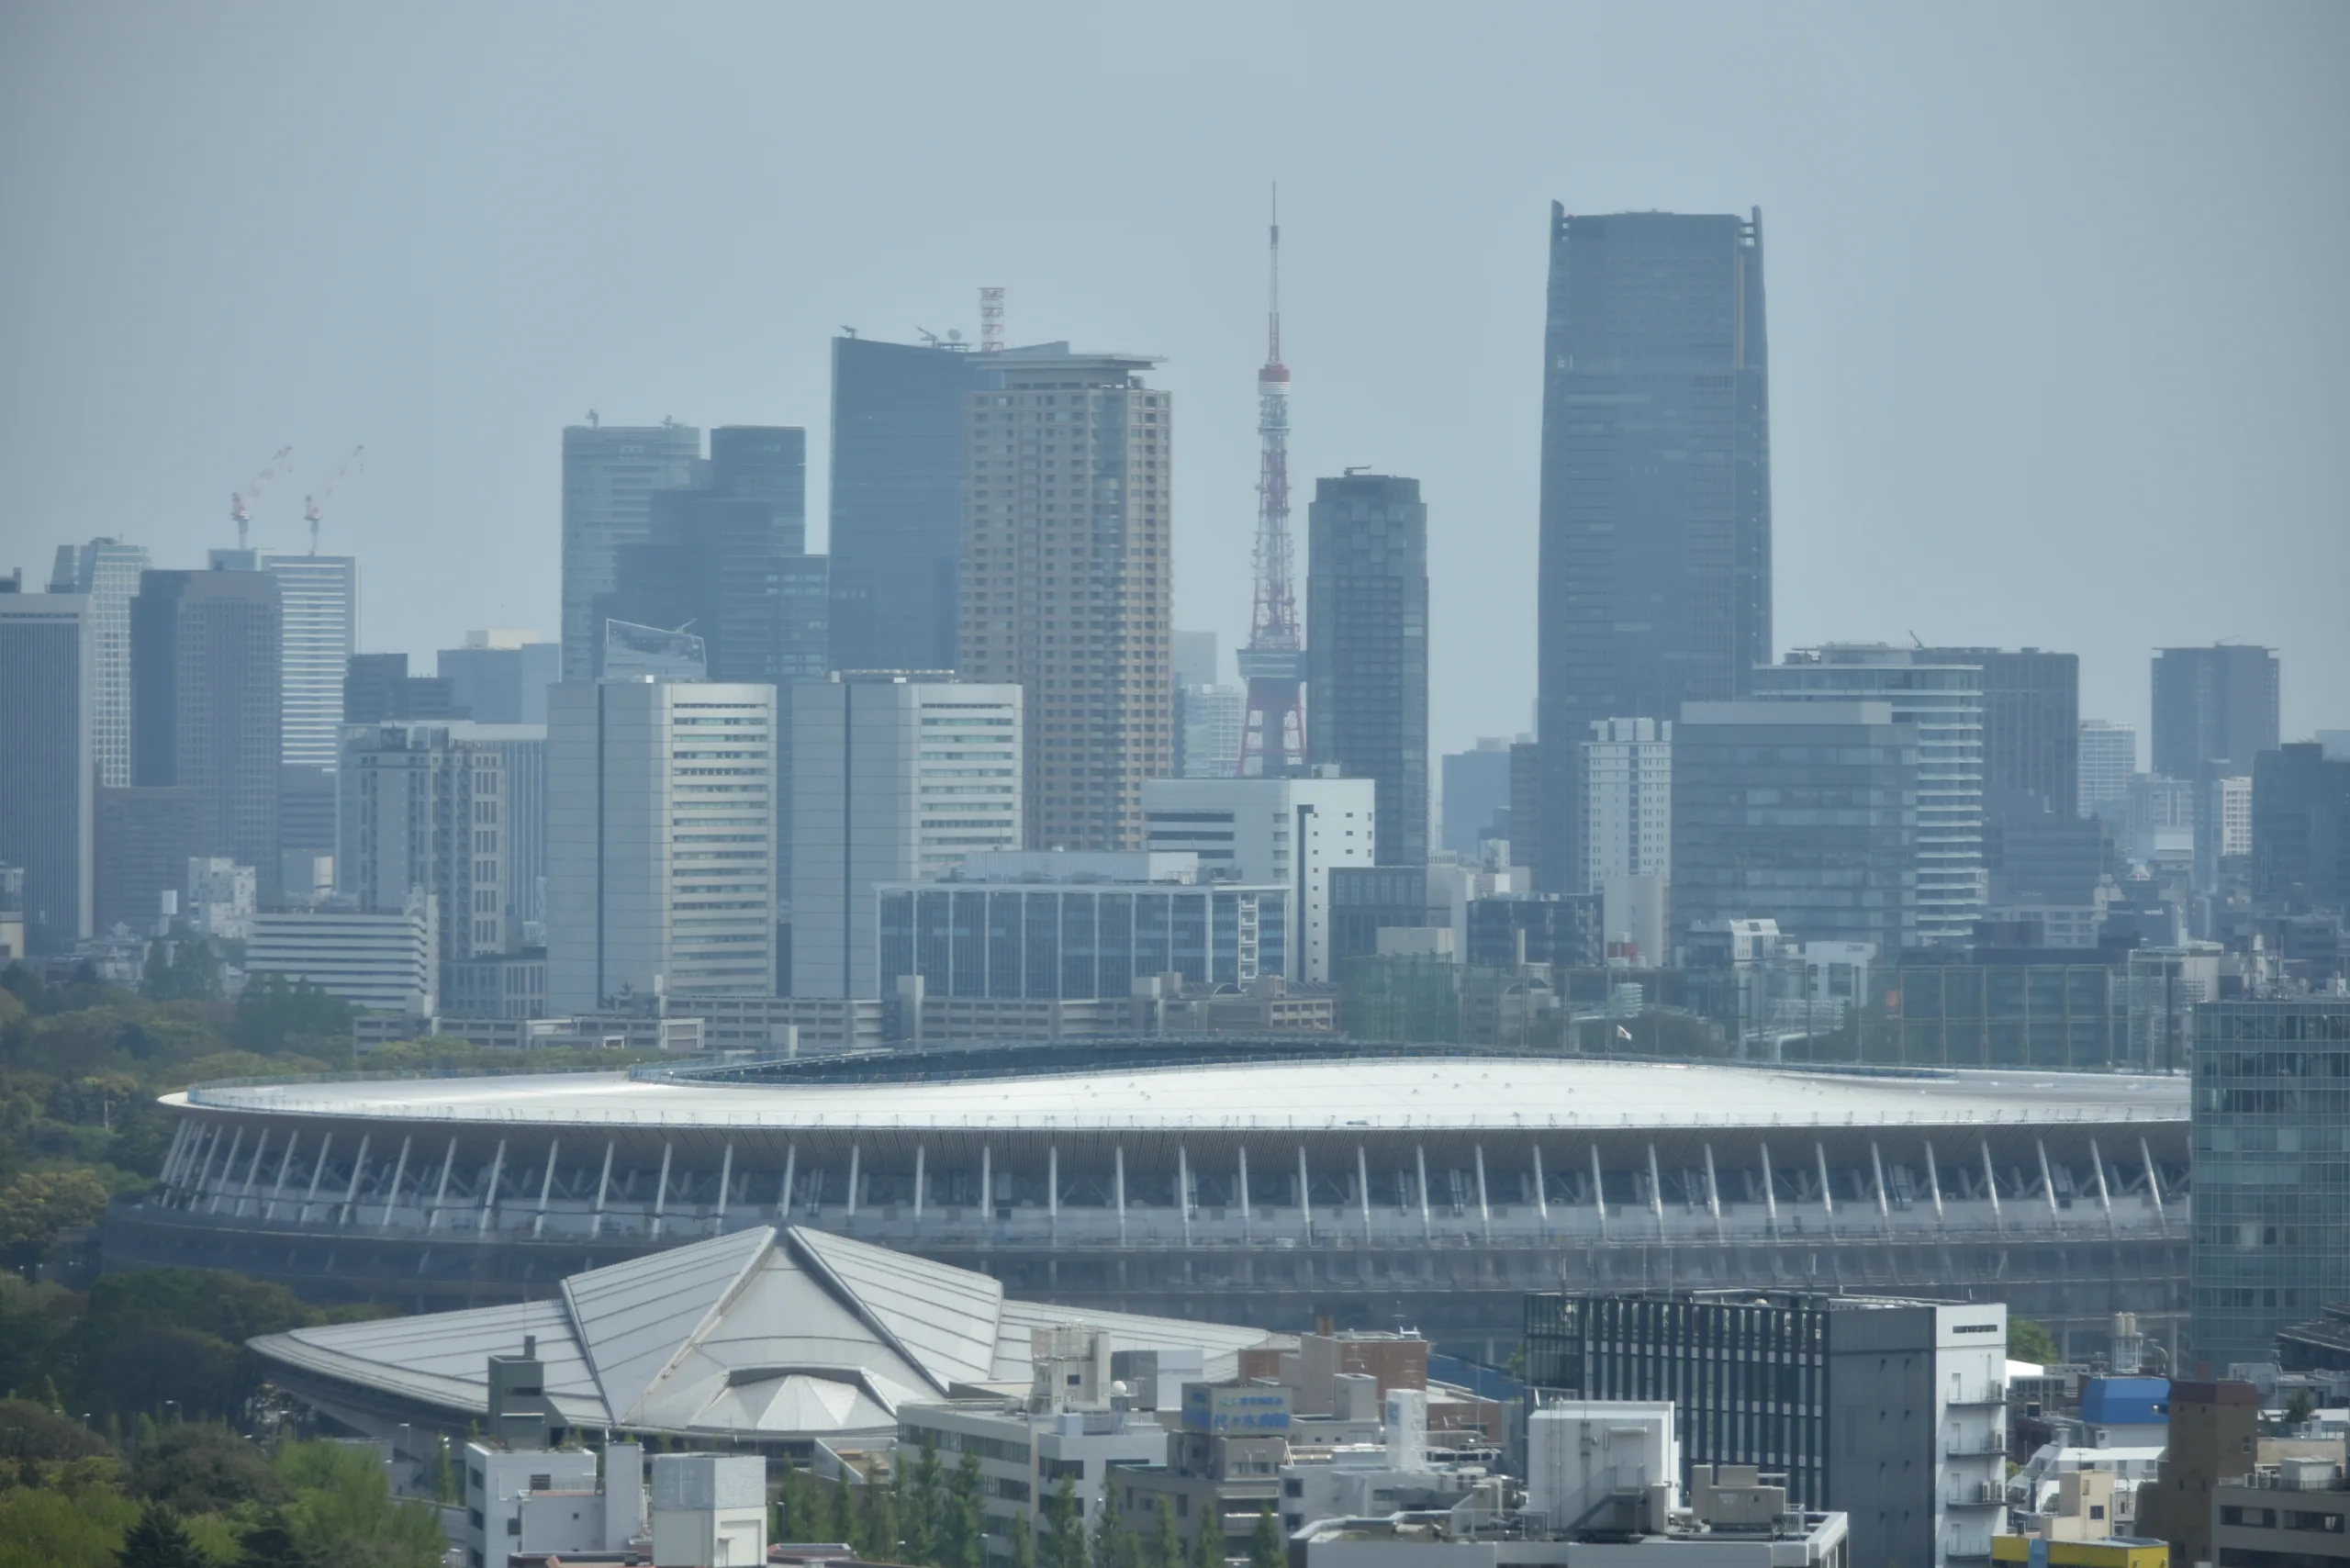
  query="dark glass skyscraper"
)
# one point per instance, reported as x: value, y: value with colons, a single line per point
x: 1367, y: 636
x: 897, y: 517
x: 205, y: 709
x: 2216, y: 705
x: 1656, y: 485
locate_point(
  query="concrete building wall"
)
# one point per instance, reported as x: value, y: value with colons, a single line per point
x: 1284, y: 832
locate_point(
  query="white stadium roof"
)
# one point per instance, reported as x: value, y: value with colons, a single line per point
x: 1394, y: 1093
x: 755, y: 1335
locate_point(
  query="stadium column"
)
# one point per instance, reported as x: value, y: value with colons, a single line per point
x: 253, y: 1172
x: 603, y: 1195
x: 1053, y: 1184
x: 1182, y: 1191
x: 1713, y: 1191
x: 918, y: 1178
x: 441, y: 1193
x: 1304, y: 1197
x: 987, y: 1181
x: 228, y: 1170
x: 284, y: 1169
x: 1656, y: 1194
x: 2154, y: 1185
x: 1247, y: 1231
x: 783, y: 1193
x: 1599, y: 1192
x: 392, y: 1192
x: 547, y: 1190
x: 173, y: 1155
x: 1485, y: 1209
x: 2104, y: 1194
x: 1827, y: 1197
x: 2047, y: 1182
x: 1542, y: 1198
x: 1420, y: 1158
x: 856, y: 1171
x: 726, y: 1186
x: 489, y: 1194
x: 1118, y: 1178
x: 1991, y: 1185
x: 317, y: 1171
x: 1884, y: 1209
x: 1770, y: 1192
x: 1934, y: 1179
x: 358, y: 1173
x: 1362, y: 1188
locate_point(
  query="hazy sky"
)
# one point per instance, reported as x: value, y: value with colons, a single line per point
x: 2056, y: 294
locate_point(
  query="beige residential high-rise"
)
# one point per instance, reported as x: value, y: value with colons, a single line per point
x: 1068, y: 582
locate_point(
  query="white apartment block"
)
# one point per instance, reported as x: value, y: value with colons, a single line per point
x: 1628, y: 800
x: 2108, y: 761
x: 107, y: 570
x: 421, y: 808
x: 895, y: 779
x: 380, y: 962
x: 1287, y: 833
x: 661, y: 841
x: 2235, y: 815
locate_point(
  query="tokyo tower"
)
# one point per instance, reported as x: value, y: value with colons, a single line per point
x: 1273, y: 735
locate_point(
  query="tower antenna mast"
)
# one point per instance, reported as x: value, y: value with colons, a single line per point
x: 1272, y: 733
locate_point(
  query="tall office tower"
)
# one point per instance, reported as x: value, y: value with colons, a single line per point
x: 660, y: 841
x: 610, y: 473
x: 2213, y: 705
x: 206, y: 705
x: 2272, y: 1192
x: 1945, y: 701
x: 48, y: 760
x: 2032, y: 719
x: 1068, y: 582
x: 423, y: 810
x: 729, y: 559
x: 1367, y: 648
x: 1476, y: 793
x: 1805, y: 813
x: 1655, y: 584
x: 1208, y: 720
x: 107, y: 571
x: 899, y: 412
x: 2108, y: 761
x: 898, y: 777
x: 1285, y: 833
x: 501, y: 677
x: 145, y: 838
x: 1628, y: 802
x: 378, y: 689
x: 319, y: 599
x: 2300, y: 830
x: 1526, y: 809
x: 306, y: 834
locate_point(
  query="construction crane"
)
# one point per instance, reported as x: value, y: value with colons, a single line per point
x: 241, y: 499
x: 313, y: 506
x: 1272, y: 733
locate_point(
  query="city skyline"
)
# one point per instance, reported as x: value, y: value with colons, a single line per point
x: 1886, y: 307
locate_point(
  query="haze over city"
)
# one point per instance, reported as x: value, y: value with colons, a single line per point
x: 2050, y: 291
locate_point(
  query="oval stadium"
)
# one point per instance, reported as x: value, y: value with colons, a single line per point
x: 1256, y: 1182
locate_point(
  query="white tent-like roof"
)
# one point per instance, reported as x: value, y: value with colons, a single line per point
x: 759, y: 1335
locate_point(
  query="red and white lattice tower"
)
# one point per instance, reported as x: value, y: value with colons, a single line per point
x: 1273, y: 735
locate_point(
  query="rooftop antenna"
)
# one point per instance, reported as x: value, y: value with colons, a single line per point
x: 991, y: 320
x: 594, y: 419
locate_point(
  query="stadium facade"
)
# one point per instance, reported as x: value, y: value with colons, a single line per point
x: 1236, y: 1182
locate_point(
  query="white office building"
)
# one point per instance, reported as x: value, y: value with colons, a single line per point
x: 661, y: 844
x: 1285, y: 833
x: 106, y: 570
x: 1628, y: 802
x: 424, y: 807
x: 381, y: 961
x: 1208, y: 720
x: 318, y: 595
x: 895, y: 779
x: 222, y: 898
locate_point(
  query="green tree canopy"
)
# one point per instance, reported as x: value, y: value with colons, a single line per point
x: 2028, y: 1341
